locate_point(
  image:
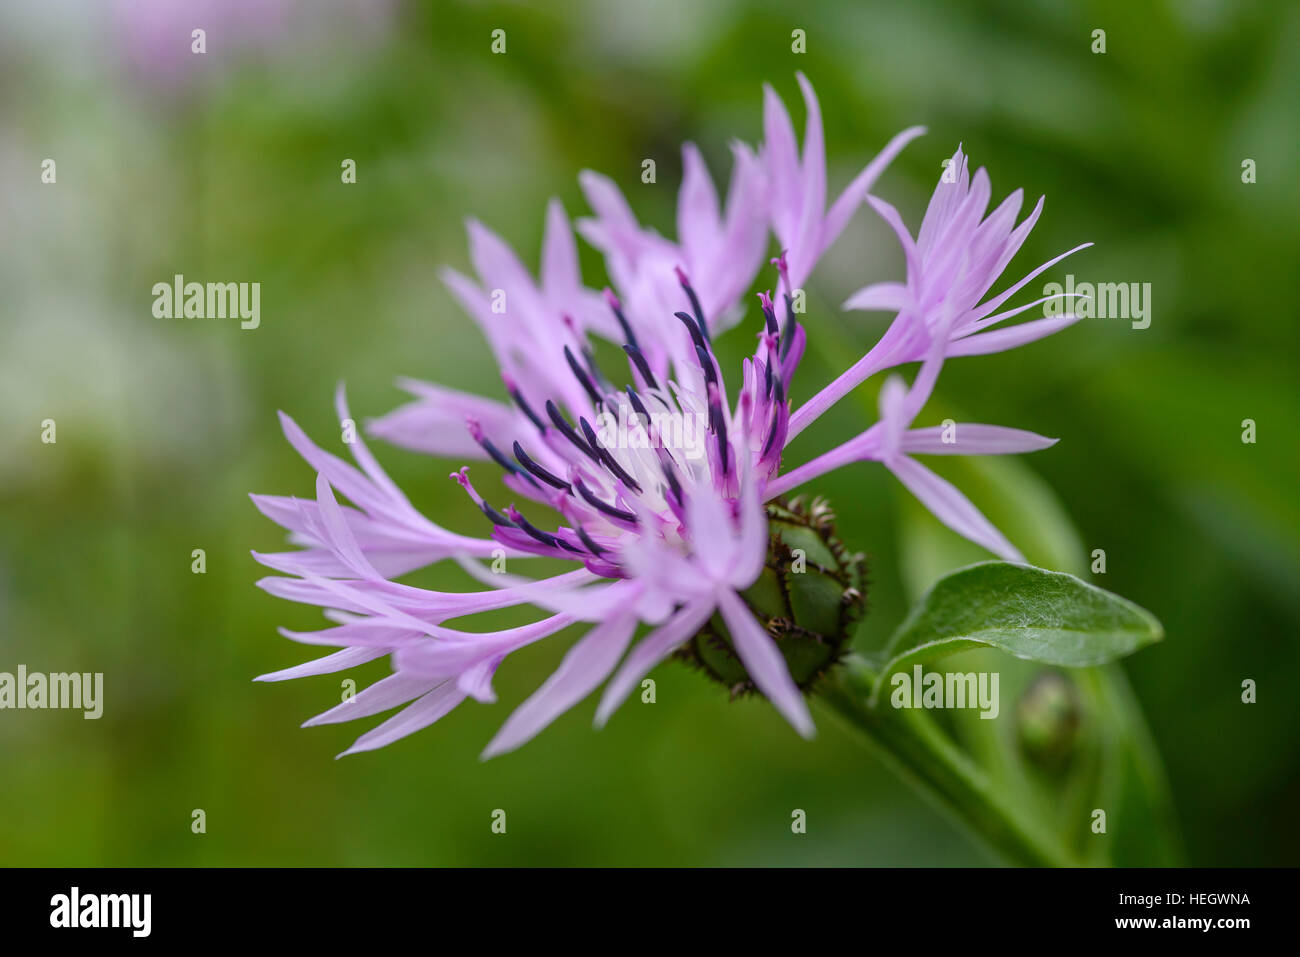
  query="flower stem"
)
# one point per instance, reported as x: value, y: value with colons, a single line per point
x: 919, y: 750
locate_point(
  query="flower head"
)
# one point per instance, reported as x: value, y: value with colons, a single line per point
x: 660, y: 483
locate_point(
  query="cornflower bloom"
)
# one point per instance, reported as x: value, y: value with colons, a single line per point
x: 669, y: 493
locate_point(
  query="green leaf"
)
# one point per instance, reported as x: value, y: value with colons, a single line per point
x: 1037, y: 615
x: 1103, y: 756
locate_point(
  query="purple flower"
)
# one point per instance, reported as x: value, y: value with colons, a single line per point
x: 658, y: 483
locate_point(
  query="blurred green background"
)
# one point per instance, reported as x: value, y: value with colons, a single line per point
x: 227, y: 166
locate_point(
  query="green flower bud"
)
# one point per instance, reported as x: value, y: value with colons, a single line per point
x: 1047, y: 719
x: 810, y: 596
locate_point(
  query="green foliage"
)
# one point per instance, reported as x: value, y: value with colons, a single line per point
x: 1037, y: 615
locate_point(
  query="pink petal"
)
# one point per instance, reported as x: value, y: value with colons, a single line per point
x: 893, y: 412
x: 990, y: 238
x: 978, y: 325
x: 415, y: 717
x: 363, y: 633
x: 1017, y: 238
x: 340, y: 537
x: 751, y: 544
x: 559, y: 271
x: 496, y: 263
x: 649, y: 651
x: 843, y: 208
x: 763, y: 660
x: 739, y: 250
x: 781, y: 157
x: 886, y: 296
x: 1000, y: 340
x: 607, y: 200
x: 711, y: 531
x: 949, y: 506
x: 454, y: 652
x: 361, y: 453
x: 697, y: 206
x: 476, y: 305
x: 890, y: 215
x: 1002, y: 297
x: 435, y: 422
x: 586, y: 665
x: 972, y: 439
x: 386, y: 693
x: 476, y: 682
x: 346, y: 478
x: 805, y: 246
x: 338, y: 661
x: 948, y: 194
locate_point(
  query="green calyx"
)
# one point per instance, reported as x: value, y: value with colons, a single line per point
x: 810, y: 597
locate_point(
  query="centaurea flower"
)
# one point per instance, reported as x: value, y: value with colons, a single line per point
x: 664, y: 532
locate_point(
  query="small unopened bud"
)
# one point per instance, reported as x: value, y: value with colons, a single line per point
x: 1047, y: 720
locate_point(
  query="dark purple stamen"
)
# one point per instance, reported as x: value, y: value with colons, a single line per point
x: 771, y: 439
x: 586, y: 540
x: 788, y: 338
x: 637, y: 404
x: 526, y: 408
x: 617, y: 308
x: 568, y: 432
x: 665, y: 460
x: 527, y: 462
x: 695, y: 301
x: 505, y: 463
x: 532, y: 531
x: 670, y: 474
x: 496, y: 517
x: 606, y: 458
x: 706, y: 363
x: 600, y: 506
x: 778, y: 408
x: 718, y: 422
x: 643, y: 367
x: 692, y: 328
x: 769, y: 313
x: 581, y: 375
